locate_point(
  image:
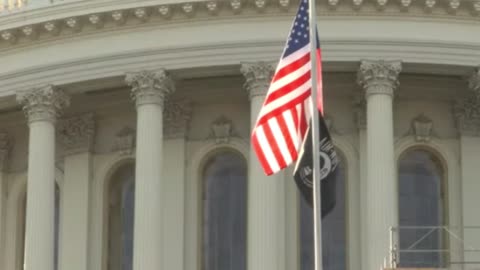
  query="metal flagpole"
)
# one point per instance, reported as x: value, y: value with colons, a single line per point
x: 317, y: 203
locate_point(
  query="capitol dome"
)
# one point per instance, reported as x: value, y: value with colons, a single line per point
x: 125, y: 135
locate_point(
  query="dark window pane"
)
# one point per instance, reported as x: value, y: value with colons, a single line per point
x: 333, y: 231
x: 420, y: 204
x: 224, y: 212
x: 128, y: 203
x: 121, y: 203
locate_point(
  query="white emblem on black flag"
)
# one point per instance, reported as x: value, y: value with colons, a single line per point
x: 303, y: 173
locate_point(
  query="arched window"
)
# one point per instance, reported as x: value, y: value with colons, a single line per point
x: 334, y: 241
x: 421, y: 204
x: 121, y: 202
x: 22, y: 221
x: 224, y: 212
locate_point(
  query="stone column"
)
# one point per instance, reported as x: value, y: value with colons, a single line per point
x: 379, y: 79
x: 4, y: 149
x: 42, y: 106
x: 149, y: 90
x: 177, y: 117
x: 467, y: 113
x: 76, y: 135
x: 266, y: 195
x: 361, y: 121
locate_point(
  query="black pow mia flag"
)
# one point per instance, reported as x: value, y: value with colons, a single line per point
x: 303, y: 173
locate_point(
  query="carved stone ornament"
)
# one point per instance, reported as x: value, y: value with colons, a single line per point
x: 329, y: 123
x: 4, y: 150
x: 474, y: 82
x: 467, y: 115
x: 125, y: 141
x: 222, y: 130
x: 212, y: 7
x: 236, y: 6
x: 379, y: 77
x: 284, y: 4
x: 258, y: 76
x: 177, y: 117
x: 422, y: 127
x: 44, y: 103
x: 150, y: 86
x: 360, y: 111
x: 77, y: 133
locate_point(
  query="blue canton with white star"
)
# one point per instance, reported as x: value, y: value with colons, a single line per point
x: 300, y: 34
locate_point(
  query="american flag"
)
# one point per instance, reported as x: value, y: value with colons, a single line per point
x: 285, y: 114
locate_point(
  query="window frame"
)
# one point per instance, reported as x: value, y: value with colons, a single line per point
x: 441, y: 162
x: 202, y: 193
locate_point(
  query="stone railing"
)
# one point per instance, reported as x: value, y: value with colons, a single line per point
x: 11, y: 5
x: 451, y: 6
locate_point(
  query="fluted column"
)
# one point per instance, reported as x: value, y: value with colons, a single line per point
x: 176, y: 120
x: 467, y: 114
x: 76, y: 135
x: 361, y: 121
x: 4, y: 150
x: 42, y: 106
x: 266, y: 194
x: 149, y: 90
x: 379, y: 80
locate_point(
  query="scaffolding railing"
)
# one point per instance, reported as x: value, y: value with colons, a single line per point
x: 435, y: 243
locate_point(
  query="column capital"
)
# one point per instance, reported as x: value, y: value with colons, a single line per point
x: 467, y: 116
x: 77, y: 133
x: 177, y: 117
x: 474, y: 81
x: 4, y: 150
x: 150, y: 86
x: 379, y: 77
x: 258, y: 76
x: 43, y: 103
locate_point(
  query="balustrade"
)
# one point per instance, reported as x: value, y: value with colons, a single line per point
x: 10, y: 5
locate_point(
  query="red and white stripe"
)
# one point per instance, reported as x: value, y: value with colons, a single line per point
x: 285, y: 114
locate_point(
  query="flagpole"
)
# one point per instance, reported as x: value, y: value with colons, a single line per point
x: 317, y: 202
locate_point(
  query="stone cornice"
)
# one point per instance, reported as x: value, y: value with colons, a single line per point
x: 150, y: 86
x: 77, y: 133
x: 86, y: 16
x: 379, y: 77
x: 257, y: 77
x: 43, y: 103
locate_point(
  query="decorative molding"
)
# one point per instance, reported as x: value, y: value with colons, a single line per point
x: 474, y: 82
x: 120, y: 14
x: 189, y: 9
x: 258, y: 76
x: 328, y: 122
x: 77, y: 133
x: 5, y: 145
x: 360, y: 111
x: 422, y: 128
x: 177, y: 116
x: 150, y: 86
x: 44, y: 103
x: 467, y: 115
x: 222, y: 130
x: 125, y: 141
x: 379, y: 77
